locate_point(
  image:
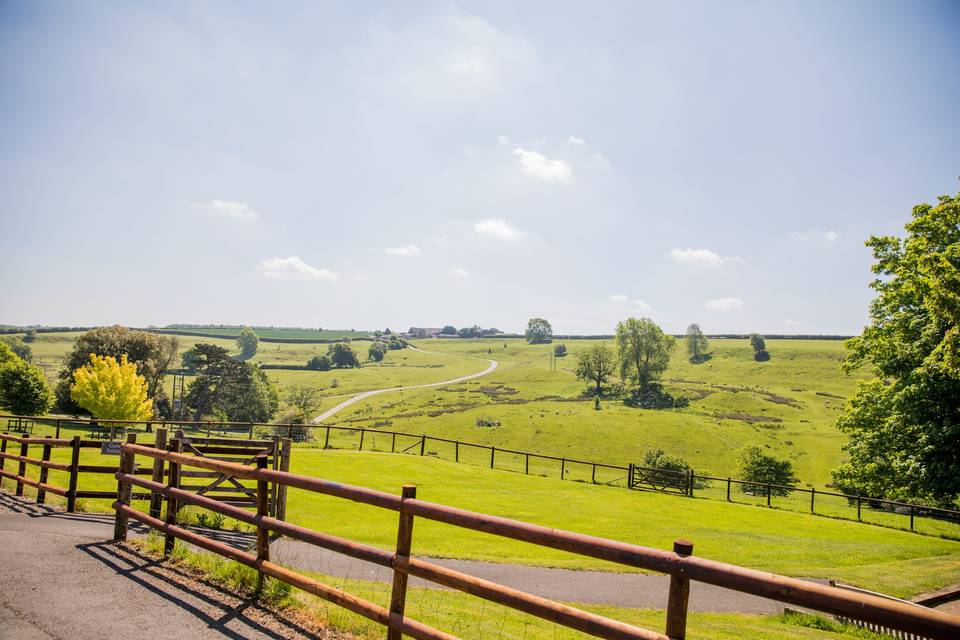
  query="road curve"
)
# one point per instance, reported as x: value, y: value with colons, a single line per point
x: 326, y: 415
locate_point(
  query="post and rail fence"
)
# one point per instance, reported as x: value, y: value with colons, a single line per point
x: 680, y: 563
x: 632, y: 476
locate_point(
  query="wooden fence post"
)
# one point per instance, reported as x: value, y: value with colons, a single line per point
x: 859, y: 518
x: 679, y: 596
x: 124, y: 490
x: 326, y: 439
x: 74, y: 473
x: 398, y: 595
x: 58, y: 430
x: 911, y: 517
x: 563, y: 468
x: 363, y: 432
x: 493, y: 452
x: 526, y: 463
x: 423, y: 443
x: 156, y: 499
x: 728, y: 489
x: 22, y: 467
x: 3, y: 449
x: 813, y: 494
x: 768, y: 494
x: 593, y: 474
x: 456, y: 451
x: 263, y: 510
x: 251, y: 431
x: 393, y: 442
x: 690, y: 483
x: 173, y: 480
x: 630, y: 476
x: 41, y: 494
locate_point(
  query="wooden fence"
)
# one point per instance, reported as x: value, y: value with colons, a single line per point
x: 619, y: 475
x: 680, y: 564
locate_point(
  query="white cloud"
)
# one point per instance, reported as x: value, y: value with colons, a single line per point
x: 503, y: 140
x: 293, y: 268
x: 538, y: 166
x: 617, y: 297
x: 460, y: 273
x: 701, y: 257
x: 829, y: 236
x: 229, y: 209
x: 360, y: 278
x: 723, y: 304
x: 576, y: 140
x: 641, y: 305
x: 406, y: 251
x: 499, y: 229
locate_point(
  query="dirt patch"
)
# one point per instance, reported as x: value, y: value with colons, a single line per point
x: 495, y: 390
x: 826, y: 394
x: 746, y: 417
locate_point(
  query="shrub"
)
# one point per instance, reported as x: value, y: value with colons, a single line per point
x: 376, y: 352
x: 756, y: 466
x: 319, y: 363
x: 672, y: 466
x: 342, y: 356
x: 24, y: 389
x: 560, y: 350
x: 654, y: 397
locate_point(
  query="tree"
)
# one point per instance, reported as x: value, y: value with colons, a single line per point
x: 22, y: 350
x: 111, y: 390
x: 376, y: 352
x: 756, y: 466
x: 342, y: 356
x: 538, y: 331
x: 596, y: 364
x: 643, y: 351
x: 238, y: 390
x: 30, y: 336
x: 560, y: 350
x: 904, y: 424
x: 320, y: 363
x: 24, y: 389
x: 697, y: 344
x: 301, y: 403
x: 152, y: 354
x: 247, y: 342
x: 449, y: 330
x: 759, y: 347
x: 673, y: 470
x: 7, y: 355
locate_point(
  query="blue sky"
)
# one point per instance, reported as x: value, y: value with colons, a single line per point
x: 344, y: 166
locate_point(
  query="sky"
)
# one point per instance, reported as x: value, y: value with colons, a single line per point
x: 368, y: 165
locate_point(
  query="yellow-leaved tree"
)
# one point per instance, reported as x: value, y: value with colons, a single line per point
x: 111, y: 390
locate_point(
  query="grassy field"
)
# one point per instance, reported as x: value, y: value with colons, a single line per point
x: 782, y: 541
x: 279, y: 334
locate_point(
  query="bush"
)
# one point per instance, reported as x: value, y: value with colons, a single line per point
x: 24, y: 389
x: 560, y: 350
x: 319, y: 363
x: 672, y: 466
x: 654, y: 397
x: 756, y: 466
x: 16, y: 345
x: 376, y: 352
x: 292, y: 425
x: 761, y: 356
x: 342, y: 356
x: 614, y: 391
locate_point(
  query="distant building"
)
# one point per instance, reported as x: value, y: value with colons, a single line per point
x: 424, y: 332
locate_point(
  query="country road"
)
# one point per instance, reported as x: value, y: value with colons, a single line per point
x: 326, y: 415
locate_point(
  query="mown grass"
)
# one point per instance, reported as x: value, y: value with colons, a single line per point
x: 785, y: 542
x: 469, y: 617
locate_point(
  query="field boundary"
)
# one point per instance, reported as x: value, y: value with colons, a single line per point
x: 680, y: 564
x: 633, y: 476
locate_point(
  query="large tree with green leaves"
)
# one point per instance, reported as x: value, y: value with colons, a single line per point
x: 643, y: 351
x: 152, y: 354
x: 247, y: 342
x: 595, y: 365
x: 111, y: 390
x: 238, y: 390
x: 697, y: 344
x: 538, y: 331
x: 904, y: 424
x: 23, y: 388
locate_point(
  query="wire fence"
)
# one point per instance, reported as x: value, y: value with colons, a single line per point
x: 887, y: 513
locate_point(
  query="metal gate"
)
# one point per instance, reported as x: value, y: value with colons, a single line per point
x: 660, y: 480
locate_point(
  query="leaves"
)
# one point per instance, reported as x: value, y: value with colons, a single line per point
x: 111, y: 390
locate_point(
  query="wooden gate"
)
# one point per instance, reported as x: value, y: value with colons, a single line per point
x: 659, y: 480
x: 226, y: 488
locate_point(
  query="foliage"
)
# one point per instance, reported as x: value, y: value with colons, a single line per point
x: 30, y: 336
x: 320, y: 363
x: 653, y: 396
x: 247, y: 342
x: 18, y: 346
x: 377, y: 351
x: 759, y: 345
x: 111, y: 390
x: 7, y: 355
x: 596, y: 364
x: 238, y: 390
x: 757, y: 466
x: 152, y: 354
x: 449, y: 330
x: 301, y: 403
x: 396, y: 343
x: 904, y: 424
x: 190, y: 359
x: 538, y: 331
x: 23, y: 388
x: 560, y: 350
x: 697, y: 344
x: 643, y: 351
x: 673, y: 466
x: 342, y: 356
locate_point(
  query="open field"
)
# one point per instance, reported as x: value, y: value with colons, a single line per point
x: 782, y: 541
x: 277, y: 334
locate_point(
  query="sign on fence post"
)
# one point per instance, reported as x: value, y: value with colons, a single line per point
x: 110, y: 448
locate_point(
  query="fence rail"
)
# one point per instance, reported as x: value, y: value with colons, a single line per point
x: 590, y: 471
x: 680, y: 564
